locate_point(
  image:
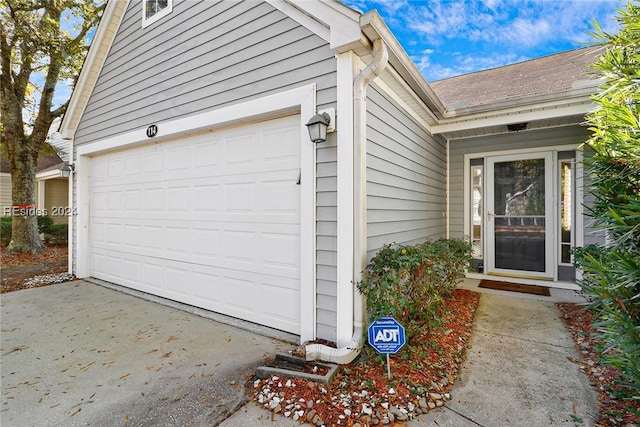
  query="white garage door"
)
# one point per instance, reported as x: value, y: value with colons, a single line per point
x: 212, y: 221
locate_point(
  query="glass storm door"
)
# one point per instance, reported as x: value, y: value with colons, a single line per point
x: 519, y: 217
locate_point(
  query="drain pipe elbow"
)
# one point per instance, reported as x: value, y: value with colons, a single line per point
x: 349, y: 352
x: 362, y: 80
x: 342, y: 355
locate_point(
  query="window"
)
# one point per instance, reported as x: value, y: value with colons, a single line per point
x: 153, y: 10
x: 475, y: 203
x: 566, y: 210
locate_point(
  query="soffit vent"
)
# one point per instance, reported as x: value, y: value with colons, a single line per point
x: 517, y: 127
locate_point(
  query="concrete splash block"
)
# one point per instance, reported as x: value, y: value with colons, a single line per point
x: 285, y: 365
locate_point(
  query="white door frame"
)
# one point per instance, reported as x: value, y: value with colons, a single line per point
x: 550, y: 220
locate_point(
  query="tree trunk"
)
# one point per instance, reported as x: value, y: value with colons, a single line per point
x: 24, y: 230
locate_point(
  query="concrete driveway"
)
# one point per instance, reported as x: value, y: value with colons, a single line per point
x: 79, y: 354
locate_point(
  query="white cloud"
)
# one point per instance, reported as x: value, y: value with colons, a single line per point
x: 431, y: 66
x: 451, y: 37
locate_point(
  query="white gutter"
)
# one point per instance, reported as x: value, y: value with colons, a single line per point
x: 349, y: 352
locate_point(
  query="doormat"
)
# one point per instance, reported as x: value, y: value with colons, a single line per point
x: 515, y: 287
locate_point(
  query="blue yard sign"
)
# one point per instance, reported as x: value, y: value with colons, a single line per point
x: 386, y: 335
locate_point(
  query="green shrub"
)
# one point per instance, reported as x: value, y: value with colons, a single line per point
x: 44, y: 224
x: 611, y: 273
x: 5, y: 229
x: 57, y: 233
x: 410, y: 283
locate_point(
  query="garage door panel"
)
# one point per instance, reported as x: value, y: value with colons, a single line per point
x: 212, y: 221
x: 176, y: 283
x: 206, y: 244
x: 240, y: 150
x: 240, y: 198
x: 153, y: 278
x: 207, y: 290
x: 207, y: 197
x: 207, y: 155
x: 178, y: 239
x: 280, y: 251
x: 239, y: 296
x: 179, y: 199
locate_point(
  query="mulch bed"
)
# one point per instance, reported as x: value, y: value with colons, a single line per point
x: 18, y: 270
x: 423, y: 373
x: 613, y: 411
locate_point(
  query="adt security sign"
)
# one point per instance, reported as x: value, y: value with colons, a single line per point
x: 386, y: 335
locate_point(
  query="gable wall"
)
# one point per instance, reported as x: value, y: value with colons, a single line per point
x: 406, y: 177
x: 207, y: 55
x: 202, y: 56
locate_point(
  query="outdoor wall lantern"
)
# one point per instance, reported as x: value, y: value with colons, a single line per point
x: 65, y: 170
x: 317, y: 127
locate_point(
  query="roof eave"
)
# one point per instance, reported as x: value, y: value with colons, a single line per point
x: 574, y: 102
x: 100, y: 45
x: 374, y: 27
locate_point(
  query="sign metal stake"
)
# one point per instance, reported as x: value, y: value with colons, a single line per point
x: 388, y: 366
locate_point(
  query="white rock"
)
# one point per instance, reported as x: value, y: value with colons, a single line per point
x: 385, y: 405
x: 392, y: 391
x: 287, y: 414
x: 288, y: 383
x: 347, y: 412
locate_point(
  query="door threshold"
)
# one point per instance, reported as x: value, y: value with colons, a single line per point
x: 526, y: 281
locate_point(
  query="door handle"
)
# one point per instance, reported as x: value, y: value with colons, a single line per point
x: 490, y: 215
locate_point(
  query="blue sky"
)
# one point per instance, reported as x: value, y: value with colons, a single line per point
x: 445, y: 38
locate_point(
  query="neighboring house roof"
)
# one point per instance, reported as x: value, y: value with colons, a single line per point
x: 550, y: 74
x: 45, y: 163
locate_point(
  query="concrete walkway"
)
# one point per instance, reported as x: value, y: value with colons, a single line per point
x: 78, y: 354
x: 520, y: 371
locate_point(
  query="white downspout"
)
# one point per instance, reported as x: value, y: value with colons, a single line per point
x: 349, y: 352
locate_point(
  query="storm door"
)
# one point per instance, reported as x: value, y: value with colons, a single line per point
x: 519, y: 216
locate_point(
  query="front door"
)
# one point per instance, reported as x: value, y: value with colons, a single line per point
x: 519, y: 220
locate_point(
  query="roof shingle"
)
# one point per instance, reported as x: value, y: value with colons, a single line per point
x: 549, y: 74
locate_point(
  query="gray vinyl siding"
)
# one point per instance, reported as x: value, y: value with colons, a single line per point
x: 544, y: 139
x: 406, y: 177
x: 5, y: 194
x: 211, y: 54
x: 202, y: 56
x: 326, y: 239
x: 56, y: 195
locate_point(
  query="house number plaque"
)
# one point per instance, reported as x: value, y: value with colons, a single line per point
x: 152, y: 131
